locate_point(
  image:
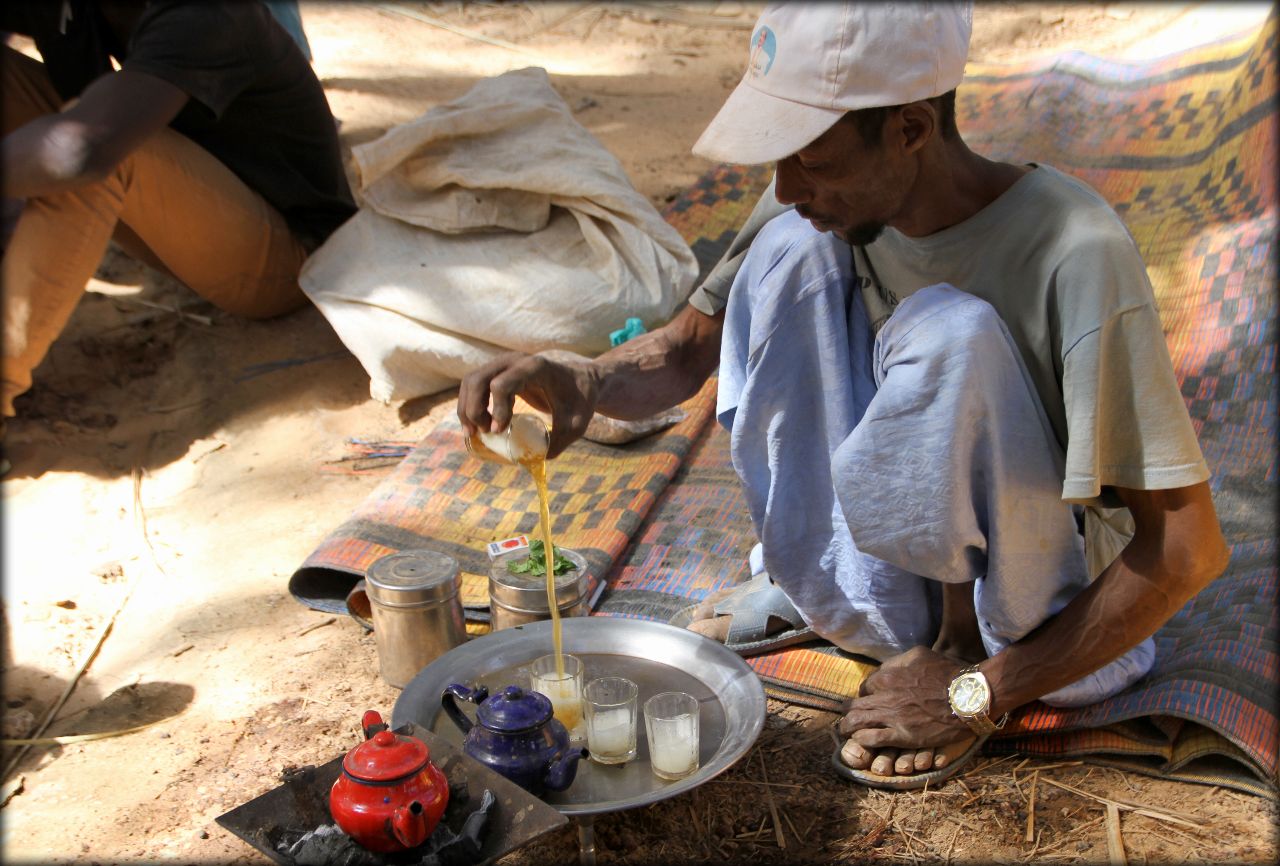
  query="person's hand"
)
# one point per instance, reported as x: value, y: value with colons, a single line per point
x: 564, y: 389
x: 904, y: 704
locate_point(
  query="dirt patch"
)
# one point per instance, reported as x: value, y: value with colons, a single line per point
x: 173, y: 465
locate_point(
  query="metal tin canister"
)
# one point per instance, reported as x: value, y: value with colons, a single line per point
x: 416, y: 610
x: 517, y: 599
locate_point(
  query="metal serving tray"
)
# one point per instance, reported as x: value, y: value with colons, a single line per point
x: 656, y: 656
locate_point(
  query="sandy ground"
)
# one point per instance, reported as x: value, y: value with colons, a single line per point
x: 165, y: 481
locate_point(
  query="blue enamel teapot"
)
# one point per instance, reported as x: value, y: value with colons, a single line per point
x: 515, y: 735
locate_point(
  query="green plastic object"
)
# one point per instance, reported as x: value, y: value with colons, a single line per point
x: 633, y: 328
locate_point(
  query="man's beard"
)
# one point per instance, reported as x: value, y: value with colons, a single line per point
x: 862, y: 234
x: 859, y: 235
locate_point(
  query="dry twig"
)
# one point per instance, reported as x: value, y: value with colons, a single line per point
x: 140, y: 520
x: 757, y: 783
x: 68, y: 739
x: 1031, y: 855
x: 906, y: 838
x: 773, y: 807
x: 577, y: 10
x: 396, y: 9
x: 1057, y: 765
x: 651, y: 12
x: 872, y: 837
x: 952, y: 847
x: 330, y: 621
x: 12, y: 788
x: 1150, y: 811
x: 1191, y: 819
x: 961, y: 822
x: 1115, y: 842
x: 990, y: 764
x: 794, y: 831
x: 1031, y: 810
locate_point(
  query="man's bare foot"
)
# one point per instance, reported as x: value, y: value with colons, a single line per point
x: 904, y: 762
x: 706, y: 623
x: 958, y: 639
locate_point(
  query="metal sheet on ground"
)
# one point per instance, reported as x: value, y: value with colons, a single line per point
x: 302, y: 803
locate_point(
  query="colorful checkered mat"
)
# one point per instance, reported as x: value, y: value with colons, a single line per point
x: 1184, y: 148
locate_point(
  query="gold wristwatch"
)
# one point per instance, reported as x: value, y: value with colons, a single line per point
x: 970, y: 697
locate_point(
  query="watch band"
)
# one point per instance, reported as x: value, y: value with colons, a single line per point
x: 982, y: 725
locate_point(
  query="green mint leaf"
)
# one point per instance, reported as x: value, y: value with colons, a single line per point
x: 535, y: 563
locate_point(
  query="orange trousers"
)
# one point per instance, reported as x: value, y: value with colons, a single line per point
x: 170, y: 204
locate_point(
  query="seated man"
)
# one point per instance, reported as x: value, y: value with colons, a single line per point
x: 949, y: 398
x: 210, y: 154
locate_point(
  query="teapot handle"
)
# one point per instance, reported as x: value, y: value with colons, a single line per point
x: 449, y: 701
x: 371, y: 723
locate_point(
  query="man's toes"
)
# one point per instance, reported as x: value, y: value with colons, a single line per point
x: 923, y: 761
x: 905, y: 763
x: 716, y: 628
x: 882, y: 765
x: 855, y: 755
x: 948, y: 753
x: 706, y: 607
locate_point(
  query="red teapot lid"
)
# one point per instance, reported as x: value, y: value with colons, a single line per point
x: 386, y: 756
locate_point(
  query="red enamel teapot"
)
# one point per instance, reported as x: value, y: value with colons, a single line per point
x: 389, y: 796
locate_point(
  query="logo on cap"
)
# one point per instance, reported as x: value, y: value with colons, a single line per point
x: 763, y: 48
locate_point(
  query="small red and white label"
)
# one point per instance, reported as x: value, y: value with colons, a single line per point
x: 507, y: 545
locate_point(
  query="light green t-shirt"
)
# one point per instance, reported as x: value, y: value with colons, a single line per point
x: 1064, y: 274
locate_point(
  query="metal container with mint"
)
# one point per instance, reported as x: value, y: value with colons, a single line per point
x: 518, y: 585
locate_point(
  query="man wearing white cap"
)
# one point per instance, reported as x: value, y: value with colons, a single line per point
x: 948, y: 394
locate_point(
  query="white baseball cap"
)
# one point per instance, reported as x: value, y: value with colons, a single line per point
x: 812, y: 62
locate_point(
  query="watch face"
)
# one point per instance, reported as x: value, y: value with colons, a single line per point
x: 969, y: 695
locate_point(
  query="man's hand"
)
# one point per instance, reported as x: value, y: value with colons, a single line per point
x: 565, y: 389
x: 635, y: 380
x: 904, y: 704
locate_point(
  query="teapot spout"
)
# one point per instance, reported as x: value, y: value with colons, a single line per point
x: 409, y: 823
x: 562, y: 770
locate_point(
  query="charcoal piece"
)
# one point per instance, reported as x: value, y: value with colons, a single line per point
x: 327, y: 845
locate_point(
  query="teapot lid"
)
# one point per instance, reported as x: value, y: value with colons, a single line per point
x: 386, y: 756
x: 513, y: 709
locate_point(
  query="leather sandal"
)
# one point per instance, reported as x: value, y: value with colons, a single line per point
x: 910, y: 782
x: 751, y: 605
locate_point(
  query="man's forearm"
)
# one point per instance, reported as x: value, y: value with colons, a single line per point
x: 1176, y: 551
x: 48, y: 155
x: 85, y: 141
x: 657, y: 370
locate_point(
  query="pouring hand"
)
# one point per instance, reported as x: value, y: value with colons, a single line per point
x: 564, y: 389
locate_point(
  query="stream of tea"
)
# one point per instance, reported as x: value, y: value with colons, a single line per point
x: 537, y: 467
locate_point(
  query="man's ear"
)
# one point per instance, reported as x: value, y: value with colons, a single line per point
x: 915, y: 124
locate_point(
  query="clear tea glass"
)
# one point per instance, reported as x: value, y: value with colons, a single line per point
x: 526, y: 438
x: 564, y: 692
x: 610, y: 705
x: 671, y: 723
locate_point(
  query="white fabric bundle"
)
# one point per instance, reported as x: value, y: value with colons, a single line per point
x: 495, y: 222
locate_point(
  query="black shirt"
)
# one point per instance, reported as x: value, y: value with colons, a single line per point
x: 255, y: 102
